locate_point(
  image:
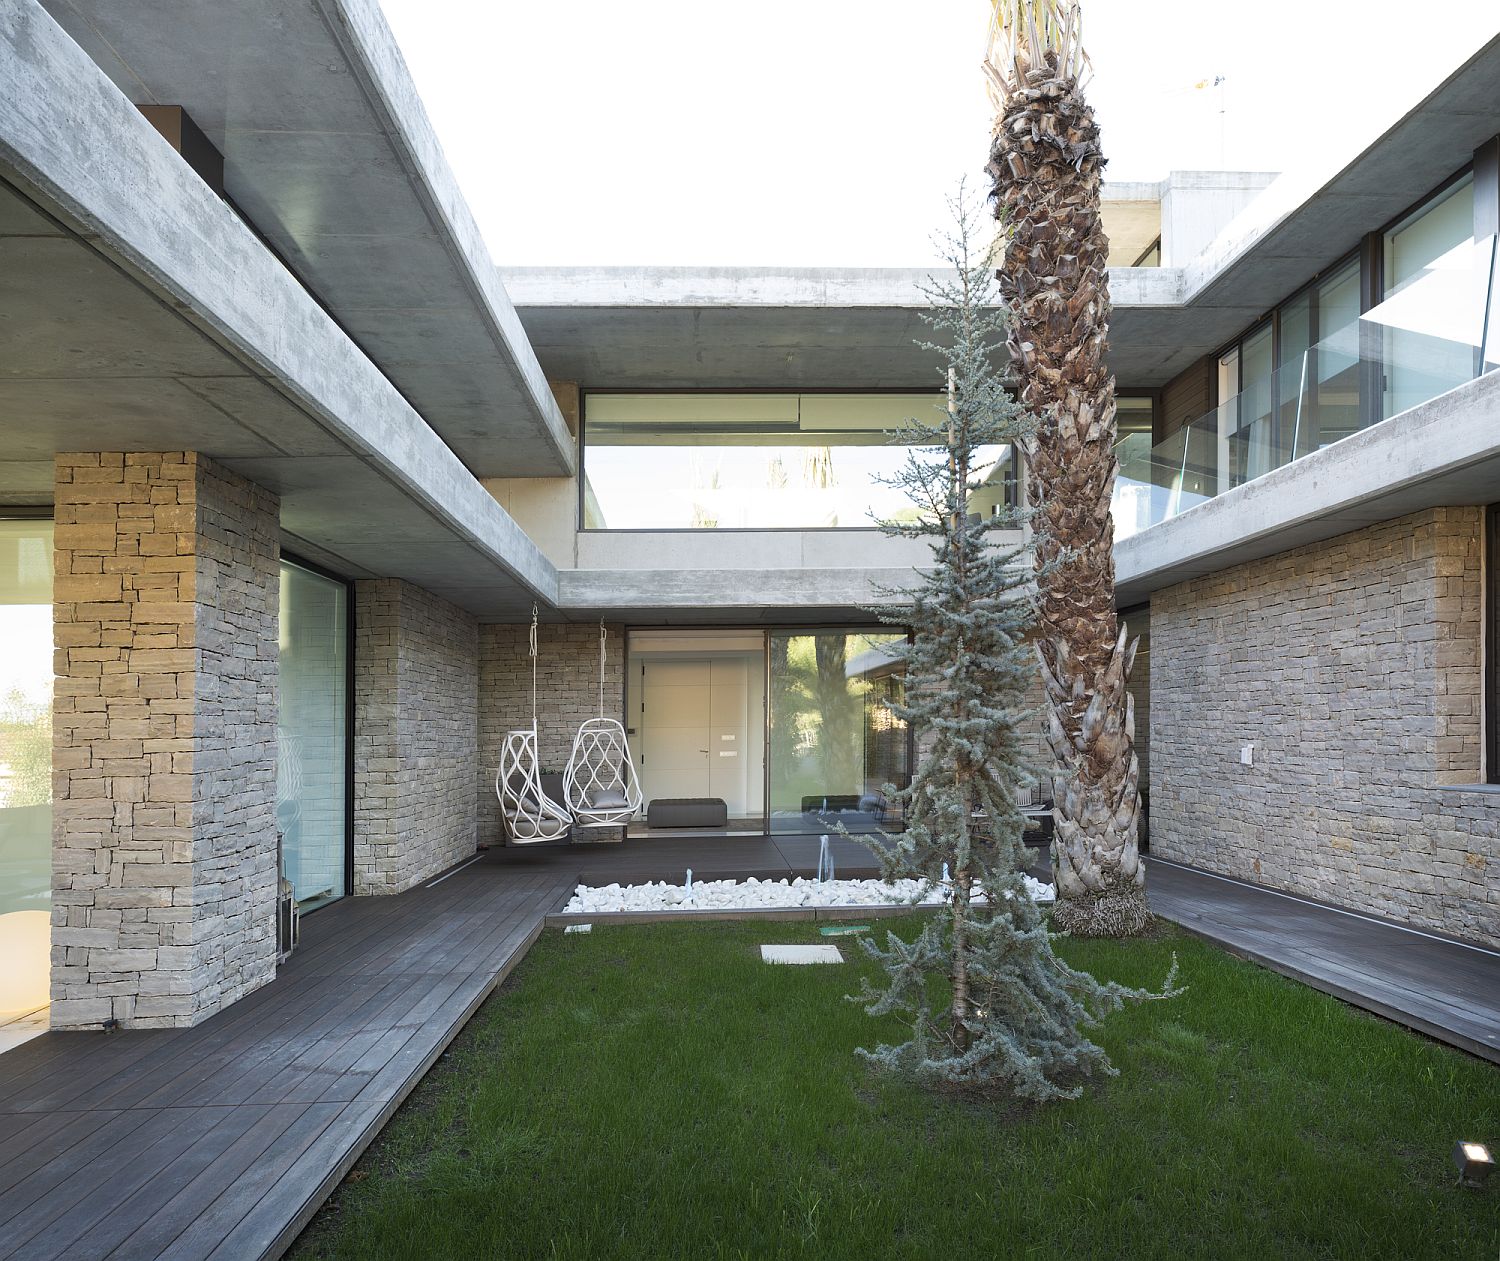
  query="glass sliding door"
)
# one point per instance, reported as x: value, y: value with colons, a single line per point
x: 25, y: 765
x: 834, y: 745
x: 312, y: 734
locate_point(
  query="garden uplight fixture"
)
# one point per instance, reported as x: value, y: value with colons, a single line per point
x: 1474, y: 1163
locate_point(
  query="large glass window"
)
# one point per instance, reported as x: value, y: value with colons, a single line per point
x: 834, y: 744
x: 1317, y: 361
x: 756, y: 461
x: 1429, y: 293
x: 1134, y: 424
x: 312, y: 734
x: 25, y: 765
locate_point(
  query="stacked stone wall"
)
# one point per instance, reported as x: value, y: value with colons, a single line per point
x: 416, y: 734
x: 1354, y: 667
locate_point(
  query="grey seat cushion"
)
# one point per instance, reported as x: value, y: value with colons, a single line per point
x: 687, y: 812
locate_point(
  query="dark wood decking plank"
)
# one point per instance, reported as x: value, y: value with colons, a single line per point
x: 64, y: 1131
x: 236, y: 1073
x: 77, y: 1146
x: 351, y: 1084
x: 184, y: 1202
x: 272, y: 1082
x: 278, y: 1216
x: 188, y: 1140
x: 385, y: 1057
x: 15, y: 1129
x: 411, y: 1060
x: 230, y: 1036
x: 219, y: 1217
x: 423, y: 949
x: 103, y: 1053
x: 87, y: 1068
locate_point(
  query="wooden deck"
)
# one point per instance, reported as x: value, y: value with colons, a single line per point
x: 222, y: 1140
x: 1447, y: 989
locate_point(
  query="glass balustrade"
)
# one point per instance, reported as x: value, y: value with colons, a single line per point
x: 1433, y: 333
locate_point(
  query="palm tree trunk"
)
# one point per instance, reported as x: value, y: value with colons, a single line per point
x: 1046, y: 165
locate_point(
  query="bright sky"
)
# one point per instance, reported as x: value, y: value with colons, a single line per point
x: 826, y: 132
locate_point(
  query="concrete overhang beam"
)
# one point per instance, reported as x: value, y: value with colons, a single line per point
x: 701, y: 596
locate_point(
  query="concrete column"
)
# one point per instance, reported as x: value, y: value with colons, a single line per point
x: 164, y: 738
x: 416, y: 731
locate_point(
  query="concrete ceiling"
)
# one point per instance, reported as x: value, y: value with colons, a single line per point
x: 329, y: 153
x: 90, y: 359
x: 647, y: 328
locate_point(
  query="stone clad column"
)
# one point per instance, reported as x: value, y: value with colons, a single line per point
x: 164, y: 738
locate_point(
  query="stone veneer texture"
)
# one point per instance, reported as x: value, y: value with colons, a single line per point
x: 567, y: 693
x: 1354, y: 666
x: 164, y: 738
x: 415, y: 734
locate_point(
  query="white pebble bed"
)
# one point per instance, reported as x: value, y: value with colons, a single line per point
x: 704, y: 895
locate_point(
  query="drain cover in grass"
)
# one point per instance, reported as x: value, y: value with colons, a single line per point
x: 800, y: 954
x: 843, y: 930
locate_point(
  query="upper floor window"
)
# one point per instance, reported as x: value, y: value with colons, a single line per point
x: 1431, y: 309
x: 696, y: 461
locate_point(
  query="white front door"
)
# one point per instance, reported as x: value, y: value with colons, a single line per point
x: 695, y: 737
x: 675, y: 721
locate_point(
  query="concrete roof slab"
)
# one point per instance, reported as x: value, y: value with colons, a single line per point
x: 263, y: 410
x: 26, y: 482
x: 385, y: 274
x: 138, y: 217
x: 19, y: 218
x: 643, y: 327
x: 117, y: 414
x: 328, y: 148
x: 66, y: 312
x: 251, y: 90
x: 416, y: 337
x: 283, y: 175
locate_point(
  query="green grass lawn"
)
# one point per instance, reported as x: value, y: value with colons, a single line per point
x: 658, y: 1091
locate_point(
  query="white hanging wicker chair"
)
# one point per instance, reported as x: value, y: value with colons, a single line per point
x: 600, y: 783
x: 531, y: 817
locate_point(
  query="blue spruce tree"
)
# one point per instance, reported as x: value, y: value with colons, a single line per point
x: 1014, y: 1012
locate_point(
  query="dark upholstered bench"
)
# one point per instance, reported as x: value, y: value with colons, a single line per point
x: 687, y: 812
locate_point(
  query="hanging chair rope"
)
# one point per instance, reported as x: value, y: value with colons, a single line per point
x: 533, y: 666
x: 603, y: 636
